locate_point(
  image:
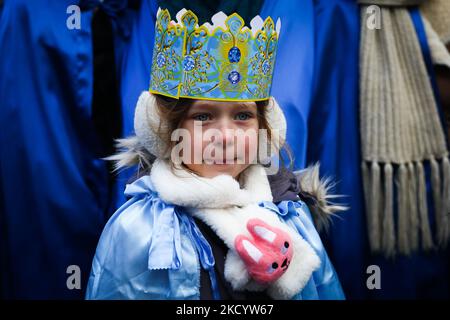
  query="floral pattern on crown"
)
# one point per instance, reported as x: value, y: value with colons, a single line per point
x: 225, y: 61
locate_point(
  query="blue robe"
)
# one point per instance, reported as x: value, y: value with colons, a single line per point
x: 53, y: 195
x: 132, y: 244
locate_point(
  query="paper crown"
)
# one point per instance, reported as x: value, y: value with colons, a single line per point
x: 225, y: 61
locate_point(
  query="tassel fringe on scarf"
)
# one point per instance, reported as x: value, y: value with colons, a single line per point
x: 401, y: 135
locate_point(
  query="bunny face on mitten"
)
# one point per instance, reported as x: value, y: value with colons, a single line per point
x: 268, y: 255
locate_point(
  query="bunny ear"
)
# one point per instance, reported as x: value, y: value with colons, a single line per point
x: 261, y: 230
x: 265, y: 233
x: 247, y: 249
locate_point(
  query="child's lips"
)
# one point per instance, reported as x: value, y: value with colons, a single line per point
x: 224, y: 161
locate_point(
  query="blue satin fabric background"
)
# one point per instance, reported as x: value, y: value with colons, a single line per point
x: 52, y: 192
x: 53, y: 199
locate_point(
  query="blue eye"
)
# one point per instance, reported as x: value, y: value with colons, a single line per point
x: 201, y: 117
x: 242, y: 116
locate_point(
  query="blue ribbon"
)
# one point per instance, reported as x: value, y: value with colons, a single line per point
x: 283, y: 208
x: 165, y: 245
x: 204, y: 251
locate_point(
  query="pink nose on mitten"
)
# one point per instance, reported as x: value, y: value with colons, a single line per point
x: 268, y: 254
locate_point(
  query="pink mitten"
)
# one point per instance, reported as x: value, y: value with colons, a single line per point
x: 268, y: 254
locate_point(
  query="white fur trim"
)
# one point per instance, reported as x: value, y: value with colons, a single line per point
x: 146, y: 126
x: 226, y: 207
x: 183, y: 188
x: 235, y: 271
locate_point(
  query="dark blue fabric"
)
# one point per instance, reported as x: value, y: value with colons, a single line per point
x: 53, y: 187
x: 421, y: 275
x: 336, y: 100
x: 134, y: 66
x: 420, y: 29
x: 333, y: 128
x: 294, y: 68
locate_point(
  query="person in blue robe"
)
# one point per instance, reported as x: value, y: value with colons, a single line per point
x: 54, y: 188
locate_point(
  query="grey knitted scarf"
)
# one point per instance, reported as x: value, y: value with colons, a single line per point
x: 400, y: 132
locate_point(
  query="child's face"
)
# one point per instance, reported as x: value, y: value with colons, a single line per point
x: 228, y: 121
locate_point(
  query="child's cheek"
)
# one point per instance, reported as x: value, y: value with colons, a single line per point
x: 251, y: 147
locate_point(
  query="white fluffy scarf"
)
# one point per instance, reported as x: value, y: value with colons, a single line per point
x: 226, y: 207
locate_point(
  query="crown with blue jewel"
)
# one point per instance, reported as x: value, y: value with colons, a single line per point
x: 224, y: 61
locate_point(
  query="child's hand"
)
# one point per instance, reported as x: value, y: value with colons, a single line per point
x: 268, y: 254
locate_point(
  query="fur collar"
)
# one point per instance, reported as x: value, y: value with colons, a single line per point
x: 226, y: 205
x: 186, y: 189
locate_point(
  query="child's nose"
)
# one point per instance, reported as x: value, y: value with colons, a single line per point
x: 228, y: 131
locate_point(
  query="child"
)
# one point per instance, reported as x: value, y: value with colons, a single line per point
x: 205, y: 220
